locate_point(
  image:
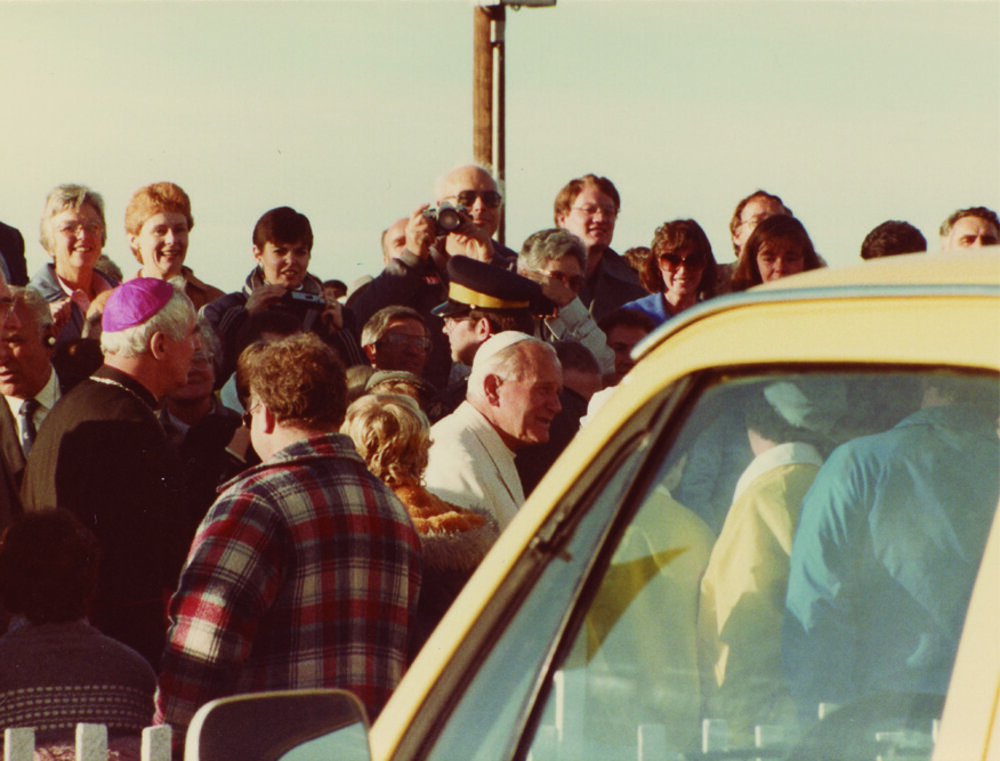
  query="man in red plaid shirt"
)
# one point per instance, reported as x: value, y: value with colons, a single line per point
x: 305, y: 572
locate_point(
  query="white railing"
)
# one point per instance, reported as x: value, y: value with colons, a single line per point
x: 91, y: 743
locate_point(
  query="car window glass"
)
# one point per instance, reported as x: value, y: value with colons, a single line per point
x: 809, y: 545
x: 485, y: 724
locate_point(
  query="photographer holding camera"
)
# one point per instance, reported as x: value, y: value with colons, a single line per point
x: 461, y: 223
x: 282, y: 248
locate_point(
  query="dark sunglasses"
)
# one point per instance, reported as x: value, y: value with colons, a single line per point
x: 491, y: 198
x: 676, y: 260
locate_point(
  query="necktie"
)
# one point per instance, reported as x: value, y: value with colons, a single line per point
x: 28, y: 430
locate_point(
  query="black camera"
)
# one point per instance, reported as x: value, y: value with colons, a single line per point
x: 446, y: 217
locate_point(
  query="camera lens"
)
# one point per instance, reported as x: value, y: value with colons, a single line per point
x: 448, y: 218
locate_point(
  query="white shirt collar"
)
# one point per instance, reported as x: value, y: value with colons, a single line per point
x: 792, y: 453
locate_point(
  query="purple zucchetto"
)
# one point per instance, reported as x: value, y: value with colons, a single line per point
x: 133, y: 302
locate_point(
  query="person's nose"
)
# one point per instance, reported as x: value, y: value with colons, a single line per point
x: 554, y: 404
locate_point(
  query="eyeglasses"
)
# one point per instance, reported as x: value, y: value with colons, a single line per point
x: 592, y: 210
x: 398, y: 339
x: 573, y: 282
x: 490, y: 198
x: 75, y: 228
x: 248, y: 415
x: 676, y: 260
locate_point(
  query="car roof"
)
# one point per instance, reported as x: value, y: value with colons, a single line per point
x: 925, y: 274
x: 981, y: 267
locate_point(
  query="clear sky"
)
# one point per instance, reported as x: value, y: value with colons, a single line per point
x: 853, y: 112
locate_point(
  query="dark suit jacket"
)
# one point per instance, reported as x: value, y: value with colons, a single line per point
x: 12, y: 250
x: 12, y: 462
x: 103, y: 454
x: 10, y: 470
x: 12, y: 456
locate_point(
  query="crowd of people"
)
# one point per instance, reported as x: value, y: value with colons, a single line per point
x: 304, y: 477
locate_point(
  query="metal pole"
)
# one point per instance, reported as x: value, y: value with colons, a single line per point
x: 500, y: 151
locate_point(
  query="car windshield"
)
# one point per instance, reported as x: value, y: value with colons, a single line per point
x: 792, y: 580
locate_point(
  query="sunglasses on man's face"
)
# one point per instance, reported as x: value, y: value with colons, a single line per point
x: 490, y: 198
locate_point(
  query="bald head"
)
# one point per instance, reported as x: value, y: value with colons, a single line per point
x: 394, y: 240
x: 477, y: 180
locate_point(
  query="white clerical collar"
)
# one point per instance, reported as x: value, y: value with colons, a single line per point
x: 792, y: 453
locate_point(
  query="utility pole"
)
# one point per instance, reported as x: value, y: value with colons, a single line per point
x: 489, y: 87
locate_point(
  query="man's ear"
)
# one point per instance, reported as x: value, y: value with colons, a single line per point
x: 483, y: 329
x: 491, y: 387
x: 370, y: 352
x: 267, y: 420
x: 158, y: 344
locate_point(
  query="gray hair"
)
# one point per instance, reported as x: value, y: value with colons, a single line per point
x: 63, y: 197
x: 507, y: 363
x: 549, y: 245
x: 981, y: 212
x: 36, y: 305
x: 173, y: 320
x: 378, y: 323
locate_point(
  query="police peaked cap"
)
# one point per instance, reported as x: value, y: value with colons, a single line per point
x: 473, y: 284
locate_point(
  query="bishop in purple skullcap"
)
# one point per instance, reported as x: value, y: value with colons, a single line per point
x: 133, y: 302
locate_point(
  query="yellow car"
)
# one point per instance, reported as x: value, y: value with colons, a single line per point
x: 764, y: 545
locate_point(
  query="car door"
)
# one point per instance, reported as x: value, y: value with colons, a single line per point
x: 651, y: 619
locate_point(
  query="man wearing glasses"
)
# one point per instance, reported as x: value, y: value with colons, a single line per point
x: 418, y: 277
x: 475, y: 192
x: 395, y: 338
x: 588, y: 207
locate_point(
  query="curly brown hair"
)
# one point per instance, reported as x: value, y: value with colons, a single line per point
x: 299, y: 379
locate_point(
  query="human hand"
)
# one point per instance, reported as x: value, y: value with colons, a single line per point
x: 553, y: 288
x: 420, y: 232
x: 61, y: 311
x: 333, y: 316
x: 264, y: 296
x: 469, y: 240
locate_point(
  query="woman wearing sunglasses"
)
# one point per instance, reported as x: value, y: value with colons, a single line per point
x: 679, y: 272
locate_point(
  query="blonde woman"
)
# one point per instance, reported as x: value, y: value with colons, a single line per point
x: 392, y: 434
